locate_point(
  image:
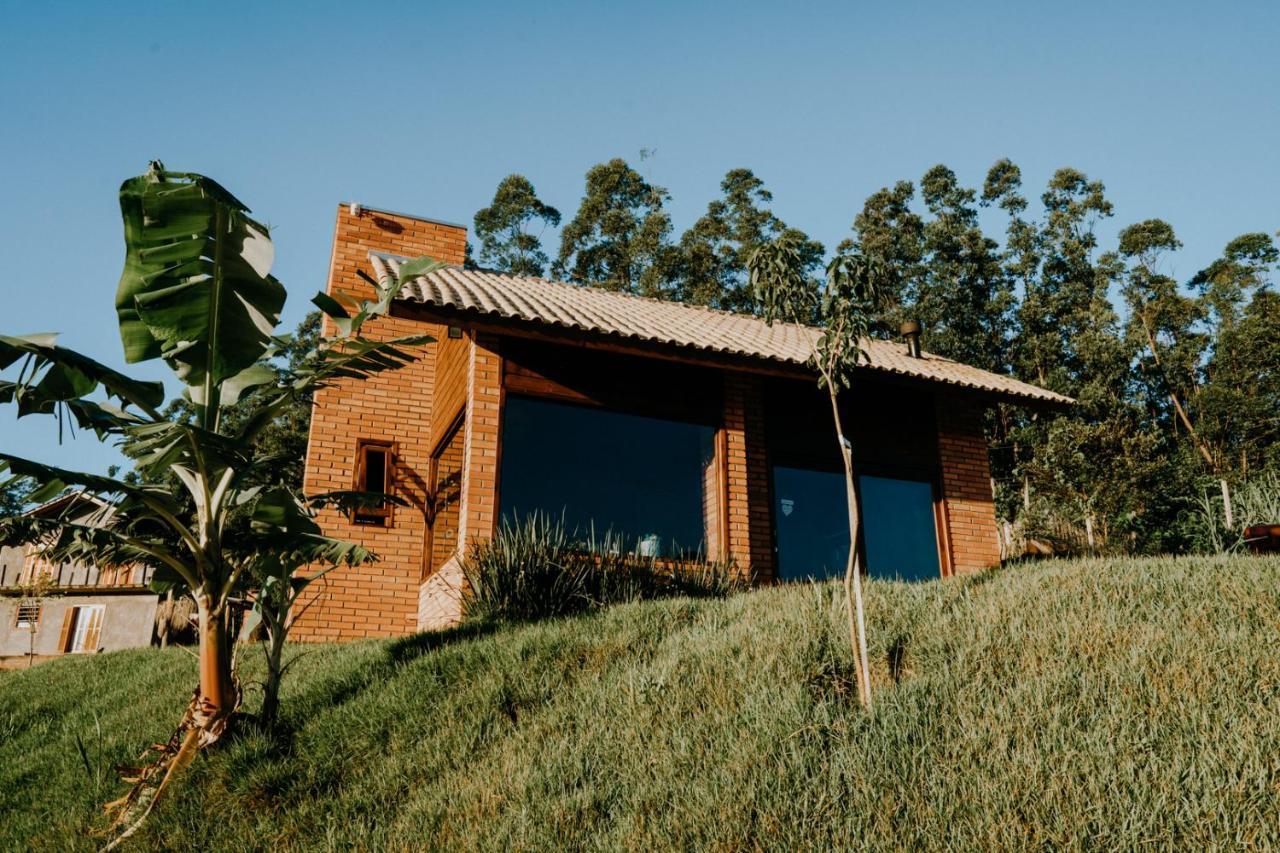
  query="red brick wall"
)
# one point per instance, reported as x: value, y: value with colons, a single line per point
x: 439, y: 601
x: 966, y: 486
x: 747, y: 475
x: 380, y: 600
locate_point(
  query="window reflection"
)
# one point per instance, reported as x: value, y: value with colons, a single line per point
x: 811, y: 519
x: 649, y: 480
x: 812, y: 525
x: 901, y: 533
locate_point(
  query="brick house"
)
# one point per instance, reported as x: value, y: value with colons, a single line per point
x: 685, y: 429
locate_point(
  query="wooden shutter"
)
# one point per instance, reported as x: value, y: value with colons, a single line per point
x: 68, y: 625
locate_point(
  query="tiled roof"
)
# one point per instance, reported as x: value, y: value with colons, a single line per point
x: 635, y: 318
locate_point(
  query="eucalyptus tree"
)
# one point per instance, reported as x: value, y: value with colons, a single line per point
x: 620, y: 238
x: 504, y: 228
x: 1237, y: 402
x: 196, y: 293
x: 888, y: 232
x: 844, y: 309
x: 716, y: 249
x: 1165, y: 325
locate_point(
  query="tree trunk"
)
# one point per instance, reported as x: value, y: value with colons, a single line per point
x: 1227, y: 513
x: 853, y: 568
x: 167, y: 609
x: 217, y: 692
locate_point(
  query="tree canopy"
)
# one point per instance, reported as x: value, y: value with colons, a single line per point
x: 507, y: 243
x: 620, y: 237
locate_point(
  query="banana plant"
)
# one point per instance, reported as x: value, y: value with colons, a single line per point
x: 287, y: 552
x: 196, y: 293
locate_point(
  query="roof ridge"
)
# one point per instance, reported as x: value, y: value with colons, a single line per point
x: 655, y: 300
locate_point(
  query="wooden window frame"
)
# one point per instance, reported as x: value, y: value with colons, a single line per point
x: 31, y: 625
x: 382, y: 516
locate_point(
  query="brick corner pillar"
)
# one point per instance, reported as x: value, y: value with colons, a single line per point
x: 746, y: 467
x: 479, y: 516
x: 441, y: 595
x: 969, y: 505
x: 381, y: 599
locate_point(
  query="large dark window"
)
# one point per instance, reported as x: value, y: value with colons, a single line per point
x: 812, y: 525
x: 644, y: 479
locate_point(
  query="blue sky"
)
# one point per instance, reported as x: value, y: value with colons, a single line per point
x: 425, y: 107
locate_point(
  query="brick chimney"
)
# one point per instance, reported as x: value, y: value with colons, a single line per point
x: 361, y: 229
x: 391, y: 409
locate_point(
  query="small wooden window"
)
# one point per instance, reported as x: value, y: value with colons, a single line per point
x: 375, y: 472
x: 28, y: 616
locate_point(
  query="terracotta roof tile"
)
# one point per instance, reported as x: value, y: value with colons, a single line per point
x: 638, y: 318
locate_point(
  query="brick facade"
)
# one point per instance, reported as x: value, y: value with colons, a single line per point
x: 458, y: 382
x: 380, y: 600
x: 968, y: 503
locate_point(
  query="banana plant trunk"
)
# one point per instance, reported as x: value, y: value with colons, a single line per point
x: 275, y: 674
x: 217, y: 690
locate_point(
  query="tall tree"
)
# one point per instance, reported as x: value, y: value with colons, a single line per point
x: 716, y: 248
x: 1258, y: 386
x: 1068, y: 337
x: 942, y: 270
x: 890, y: 234
x: 1061, y: 296
x: 962, y: 297
x: 620, y: 237
x: 1238, y: 397
x: 505, y: 228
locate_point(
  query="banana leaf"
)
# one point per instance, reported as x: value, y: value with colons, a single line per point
x: 196, y: 289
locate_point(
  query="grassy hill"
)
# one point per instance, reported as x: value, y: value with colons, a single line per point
x: 1063, y: 704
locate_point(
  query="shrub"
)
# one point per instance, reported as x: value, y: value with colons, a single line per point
x: 535, y: 568
x: 1255, y: 501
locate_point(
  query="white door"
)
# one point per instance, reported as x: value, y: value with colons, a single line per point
x: 88, y: 628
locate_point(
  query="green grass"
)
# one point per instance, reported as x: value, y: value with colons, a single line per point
x: 1066, y: 704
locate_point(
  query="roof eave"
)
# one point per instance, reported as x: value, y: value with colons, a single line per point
x: 749, y: 362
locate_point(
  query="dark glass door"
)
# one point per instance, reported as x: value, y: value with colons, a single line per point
x: 811, y: 520
x: 900, y: 529
x: 811, y: 524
